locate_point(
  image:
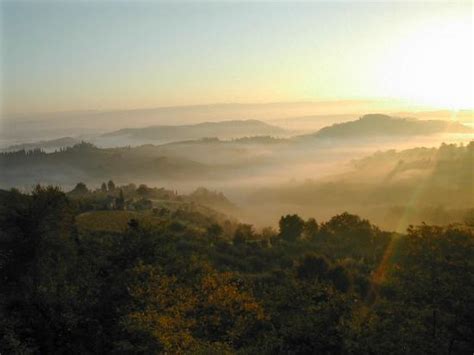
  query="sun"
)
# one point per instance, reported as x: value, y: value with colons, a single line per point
x: 432, y: 65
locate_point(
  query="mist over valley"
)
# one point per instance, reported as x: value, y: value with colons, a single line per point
x: 236, y: 177
x: 265, y: 169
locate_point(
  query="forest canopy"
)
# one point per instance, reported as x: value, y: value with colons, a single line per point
x: 189, y: 280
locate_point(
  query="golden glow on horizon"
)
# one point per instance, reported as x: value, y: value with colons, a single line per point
x: 401, y: 55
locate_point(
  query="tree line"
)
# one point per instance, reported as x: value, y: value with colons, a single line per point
x: 193, y: 284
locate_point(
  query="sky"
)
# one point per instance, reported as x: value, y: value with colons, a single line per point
x: 103, y: 55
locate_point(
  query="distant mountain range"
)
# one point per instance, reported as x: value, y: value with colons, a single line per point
x: 254, y: 131
x: 304, y: 117
x: 223, y: 130
x: 383, y: 125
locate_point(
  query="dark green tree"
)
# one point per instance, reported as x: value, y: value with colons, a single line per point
x: 340, y: 278
x: 80, y: 189
x: 214, y: 230
x: 311, y: 229
x: 291, y: 227
x: 243, y: 234
x: 120, y: 201
x: 312, y: 267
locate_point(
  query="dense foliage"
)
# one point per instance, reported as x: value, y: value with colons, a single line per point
x: 185, y: 280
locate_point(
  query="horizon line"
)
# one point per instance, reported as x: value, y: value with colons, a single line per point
x: 404, y: 102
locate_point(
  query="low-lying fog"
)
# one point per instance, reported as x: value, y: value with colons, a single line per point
x: 268, y: 177
x: 305, y: 165
x: 298, y: 118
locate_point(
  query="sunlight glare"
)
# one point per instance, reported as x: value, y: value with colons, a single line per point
x: 432, y: 66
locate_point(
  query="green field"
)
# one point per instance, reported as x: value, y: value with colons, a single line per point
x: 114, y: 221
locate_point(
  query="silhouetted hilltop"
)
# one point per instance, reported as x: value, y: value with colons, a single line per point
x: 216, y: 141
x: 383, y: 125
x: 45, y: 145
x: 224, y: 129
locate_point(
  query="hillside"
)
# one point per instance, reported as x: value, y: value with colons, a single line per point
x: 161, y: 277
x: 192, y: 161
x: 382, y: 125
x: 393, y: 188
x: 85, y: 162
x: 223, y: 130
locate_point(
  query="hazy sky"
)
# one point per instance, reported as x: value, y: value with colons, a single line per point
x: 75, y: 55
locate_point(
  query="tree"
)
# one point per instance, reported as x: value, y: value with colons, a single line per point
x: 103, y: 187
x: 313, y: 266
x: 426, y: 305
x: 214, y: 230
x: 291, y: 227
x: 306, y: 317
x: 36, y: 232
x: 209, y: 313
x: 339, y: 277
x: 80, y: 189
x: 351, y: 236
x: 133, y: 223
x: 311, y: 228
x: 243, y: 234
x: 120, y: 201
x: 435, y: 275
x: 162, y: 212
x: 143, y: 204
x: 143, y: 190
x: 111, y: 186
x: 347, y: 224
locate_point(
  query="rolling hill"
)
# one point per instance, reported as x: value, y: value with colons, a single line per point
x: 223, y: 130
x: 382, y: 125
x: 85, y: 162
